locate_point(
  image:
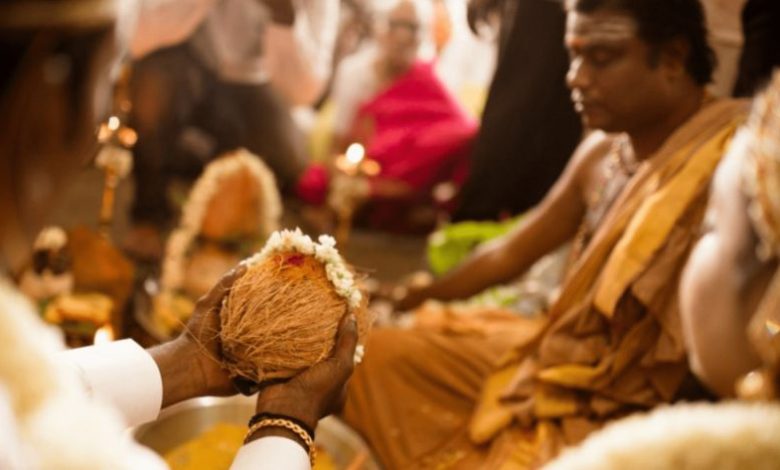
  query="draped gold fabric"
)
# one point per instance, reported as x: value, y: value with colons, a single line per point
x: 612, y: 343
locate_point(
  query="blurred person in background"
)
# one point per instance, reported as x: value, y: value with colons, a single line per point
x: 731, y: 287
x: 467, y: 61
x: 226, y: 77
x: 388, y: 97
x: 724, y: 27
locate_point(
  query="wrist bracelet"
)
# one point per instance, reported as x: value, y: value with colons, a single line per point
x: 259, y: 416
x: 285, y: 423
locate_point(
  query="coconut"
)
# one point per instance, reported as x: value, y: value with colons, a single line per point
x: 281, y: 316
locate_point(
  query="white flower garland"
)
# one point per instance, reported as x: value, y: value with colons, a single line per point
x: 51, y: 238
x: 201, y: 194
x: 324, y: 251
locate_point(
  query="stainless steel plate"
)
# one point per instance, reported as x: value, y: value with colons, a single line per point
x: 187, y: 420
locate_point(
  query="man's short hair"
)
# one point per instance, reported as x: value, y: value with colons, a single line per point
x: 661, y: 21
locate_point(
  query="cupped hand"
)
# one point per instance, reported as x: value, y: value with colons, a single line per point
x: 190, y: 364
x: 319, y: 390
x: 202, y: 331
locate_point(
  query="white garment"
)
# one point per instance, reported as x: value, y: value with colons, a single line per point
x: 106, y: 369
x: 724, y: 24
x: 237, y: 40
x: 355, y: 82
x: 48, y: 421
x: 125, y: 375
x: 10, y: 457
x: 467, y: 60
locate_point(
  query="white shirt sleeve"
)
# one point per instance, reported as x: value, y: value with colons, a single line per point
x: 271, y: 453
x: 354, y: 83
x: 11, y: 449
x: 299, y: 59
x: 724, y: 28
x: 123, y: 374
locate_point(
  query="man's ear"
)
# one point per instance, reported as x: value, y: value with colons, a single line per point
x: 674, y: 56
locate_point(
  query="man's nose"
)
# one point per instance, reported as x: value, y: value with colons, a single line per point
x: 578, y: 76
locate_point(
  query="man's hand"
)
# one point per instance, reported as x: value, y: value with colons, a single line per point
x: 190, y: 365
x: 319, y: 390
x: 282, y: 11
x: 414, y: 292
x: 202, y: 331
x: 408, y: 297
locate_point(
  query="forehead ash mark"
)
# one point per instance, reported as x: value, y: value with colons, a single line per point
x: 600, y: 27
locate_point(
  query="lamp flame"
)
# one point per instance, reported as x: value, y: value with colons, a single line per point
x: 113, y: 123
x: 103, y: 335
x: 355, y: 154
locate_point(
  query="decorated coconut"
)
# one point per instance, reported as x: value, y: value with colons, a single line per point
x: 50, y: 273
x: 80, y: 281
x: 229, y: 213
x: 281, y: 316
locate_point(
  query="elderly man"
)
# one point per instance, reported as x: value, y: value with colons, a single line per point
x: 631, y: 200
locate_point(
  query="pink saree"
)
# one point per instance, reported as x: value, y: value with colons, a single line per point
x: 418, y: 134
x: 416, y: 131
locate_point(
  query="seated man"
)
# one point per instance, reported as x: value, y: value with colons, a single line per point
x: 729, y: 309
x: 632, y: 199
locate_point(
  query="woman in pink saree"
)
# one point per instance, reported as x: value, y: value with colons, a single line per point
x: 392, y: 103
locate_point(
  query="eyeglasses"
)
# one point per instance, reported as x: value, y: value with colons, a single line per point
x: 403, y: 25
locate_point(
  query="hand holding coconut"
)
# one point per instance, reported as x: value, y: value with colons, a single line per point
x: 190, y: 365
x: 316, y: 392
x: 287, y: 321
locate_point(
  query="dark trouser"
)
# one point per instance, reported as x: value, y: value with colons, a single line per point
x: 185, y: 116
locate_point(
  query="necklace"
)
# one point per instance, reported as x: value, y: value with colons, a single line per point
x: 621, y: 159
x: 618, y: 167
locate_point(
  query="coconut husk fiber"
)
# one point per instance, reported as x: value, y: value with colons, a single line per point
x: 281, y: 317
x: 233, y: 210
